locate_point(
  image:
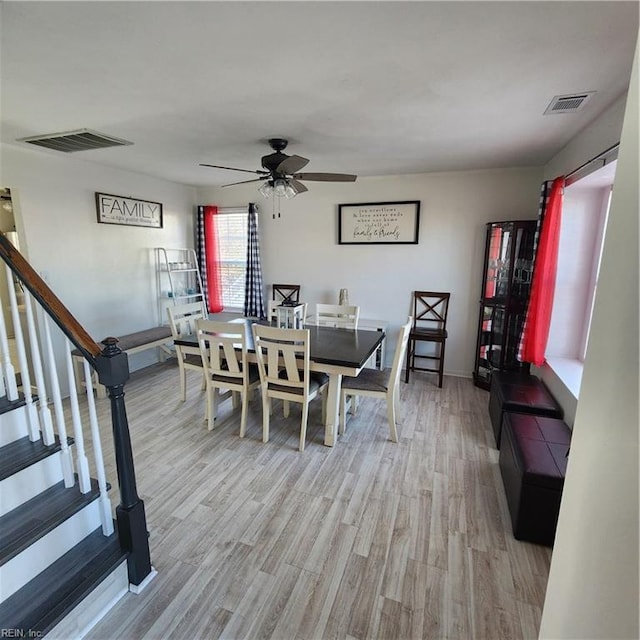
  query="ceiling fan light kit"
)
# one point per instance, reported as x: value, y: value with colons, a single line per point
x: 279, y: 174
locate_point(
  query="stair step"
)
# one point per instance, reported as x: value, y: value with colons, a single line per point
x: 7, y: 405
x: 14, y: 424
x: 44, y: 601
x: 22, y: 453
x: 32, y: 520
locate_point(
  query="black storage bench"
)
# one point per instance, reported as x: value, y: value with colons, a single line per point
x: 533, y: 463
x: 522, y: 393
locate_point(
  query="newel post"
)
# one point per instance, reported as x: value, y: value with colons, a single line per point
x: 112, y: 366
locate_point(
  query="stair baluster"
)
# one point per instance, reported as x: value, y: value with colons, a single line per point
x: 10, y: 387
x: 61, y: 425
x: 84, y: 479
x: 25, y: 378
x: 46, y: 423
x: 105, y: 503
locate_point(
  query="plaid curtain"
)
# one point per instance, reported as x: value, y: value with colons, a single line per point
x: 202, y: 254
x: 535, y: 329
x: 253, y: 297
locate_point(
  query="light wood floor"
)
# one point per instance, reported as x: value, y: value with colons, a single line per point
x: 368, y: 539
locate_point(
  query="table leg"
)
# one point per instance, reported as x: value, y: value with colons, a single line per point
x: 333, y: 404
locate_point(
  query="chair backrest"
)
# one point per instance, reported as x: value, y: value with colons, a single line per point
x: 183, y: 317
x: 286, y: 292
x: 337, y: 315
x: 283, y: 358
x: 223, y: 348
x: 401, y: 350
x: 430, y: 309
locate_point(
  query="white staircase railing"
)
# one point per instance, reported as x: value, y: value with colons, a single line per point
x: 35, y: 354
x: 31, y: 352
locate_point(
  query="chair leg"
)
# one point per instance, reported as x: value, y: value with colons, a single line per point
x: 342, y: 427
x: 266, y: 411
x: 441, y: 363
x: 235, y: 399
x: 406, y: 373
x: 243, y: 419
x: 303, y: 425
x: 391, y: 416
x: 285, y: 408
x: 212, y: 400
x: 183, y: 380
x: 207, y: 409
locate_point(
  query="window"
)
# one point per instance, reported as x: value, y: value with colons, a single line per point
x: 584, y: 217
x: 232, y: 242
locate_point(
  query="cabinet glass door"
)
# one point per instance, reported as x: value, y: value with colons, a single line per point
x: 498, y: 267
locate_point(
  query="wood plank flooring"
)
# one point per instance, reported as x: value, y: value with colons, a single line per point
x: 368, y: 539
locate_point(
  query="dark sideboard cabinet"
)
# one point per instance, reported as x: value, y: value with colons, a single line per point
x: 506, y: 283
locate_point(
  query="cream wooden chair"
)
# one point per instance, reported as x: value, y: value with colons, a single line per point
x: 182, y: 320
x: 378, y: 384
x: 223, y: 349
x: 336, y: 315
x: 283, y: 363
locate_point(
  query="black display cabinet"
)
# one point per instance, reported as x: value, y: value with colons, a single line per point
x: 506, y: 283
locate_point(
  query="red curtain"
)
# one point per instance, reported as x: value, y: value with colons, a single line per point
x: 212, y: 252
x: 543, y: 285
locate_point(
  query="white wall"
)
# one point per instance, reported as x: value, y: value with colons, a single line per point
x: 302, y: 245
x: 593, y: 583
x: 104, y: 274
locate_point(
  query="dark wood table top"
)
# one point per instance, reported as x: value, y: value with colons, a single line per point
x: 327, y: 345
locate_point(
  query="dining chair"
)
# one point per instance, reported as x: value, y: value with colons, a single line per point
x: 182, y: 320
x: 430, y: 309
x: 336, y: 315
x: 377, y: 384
x: 286, y: 292
x: 223, y: 349
x: 283, y: 363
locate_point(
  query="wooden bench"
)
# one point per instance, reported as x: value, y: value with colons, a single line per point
x: 130, y: 344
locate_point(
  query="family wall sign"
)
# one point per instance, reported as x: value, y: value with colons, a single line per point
x: 128, y: 211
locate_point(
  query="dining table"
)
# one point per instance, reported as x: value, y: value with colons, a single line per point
x: 334, y: 351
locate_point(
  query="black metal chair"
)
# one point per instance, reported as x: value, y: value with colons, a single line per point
x: 430, y: 310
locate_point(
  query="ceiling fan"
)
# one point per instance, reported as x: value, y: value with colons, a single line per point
x: 280, y: 175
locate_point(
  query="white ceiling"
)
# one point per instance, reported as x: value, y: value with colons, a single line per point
x: 372, y: 88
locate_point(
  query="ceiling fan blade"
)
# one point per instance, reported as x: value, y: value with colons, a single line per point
x: 298, y: 187
x: 231, y: 184
x: 217, y: 166
x: 292, y: 164
x: 325, y: 177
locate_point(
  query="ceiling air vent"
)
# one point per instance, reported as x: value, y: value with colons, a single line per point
x: 568, y: 104
x: 79, y: 140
